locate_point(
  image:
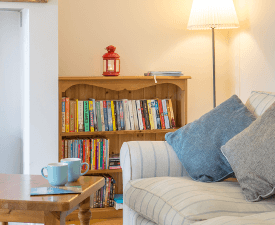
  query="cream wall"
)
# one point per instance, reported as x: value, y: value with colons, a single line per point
x: 149, y: 35
x: 252, y: 47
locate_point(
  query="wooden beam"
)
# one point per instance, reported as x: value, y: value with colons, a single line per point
x: 37, y: 1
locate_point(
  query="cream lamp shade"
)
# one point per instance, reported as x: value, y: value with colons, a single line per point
x: 207, y: 14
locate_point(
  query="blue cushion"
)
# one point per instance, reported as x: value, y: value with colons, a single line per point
x: 198, y: 144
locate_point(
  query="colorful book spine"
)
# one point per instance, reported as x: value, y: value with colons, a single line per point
x: 95, y: 117
x: 98, y: 154
x: 131, y: 114
x: 66, y: 149
x: 135, y: 114
x: 67, y: 114
x: 113, y: 115
x: 72, y: 116
x: 173, y: 123
x: 126, y: 114
x: 152, y: 126
x: 104, y: 154
x: 121, y: 115
x: 153, y: 106
x: 165, y: 114
x: 83, y: 156
x: 98, y: 116
x: 80, y: 117
x: 101, y: 154
x: 161, y: 114
x: 63, y: 114
x: 102, y: 116
x: 118, y: 115
x: 142, y: 114
x: 63, y: 149
x: 157, y: 114
x: 76, y: 116
x: 86, y: 116
x: 139, y: 116
x: 95, y: 155
x: 109, y: 115
x: 146, y: 115
x: 107, y: 153
x: 91, y: 112
x: 88, y: 155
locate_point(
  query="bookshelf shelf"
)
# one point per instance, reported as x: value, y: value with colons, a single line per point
x: 74, y: 134
x: 117, y: 88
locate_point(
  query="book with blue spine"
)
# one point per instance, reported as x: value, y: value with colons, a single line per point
x: 98, y: 116
x: 165, y: 114
x: 72, y: 150
x: 157, y: 114
x: 105, y: 112
x: 121, y: 115
x: 154, y: 116
x: 109, y: 115
x: 118, y: 115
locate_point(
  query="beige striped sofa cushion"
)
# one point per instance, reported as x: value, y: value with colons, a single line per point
x: 180, y: 200
x: 259, y: 101
x: 259, y: 219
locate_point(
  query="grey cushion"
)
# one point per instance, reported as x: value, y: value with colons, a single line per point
x: 198, y: 144
x: 251, y: 155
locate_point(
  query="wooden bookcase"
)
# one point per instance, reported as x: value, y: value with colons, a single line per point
x: 128, y: 87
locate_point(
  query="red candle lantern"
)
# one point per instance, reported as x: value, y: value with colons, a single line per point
x: 111, y: 62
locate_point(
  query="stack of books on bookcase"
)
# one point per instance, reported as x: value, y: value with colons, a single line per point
x: 112, y: 115
x: 104, y: 197
x: 114, y: 162
x: 95, y: 151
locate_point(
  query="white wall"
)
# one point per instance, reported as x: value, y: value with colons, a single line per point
x: 41, y: 73
x: 252, y: 47
x: 10, y: 93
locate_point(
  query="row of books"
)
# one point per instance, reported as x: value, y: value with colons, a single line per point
x: 95, y: 151
x: 111, y: 115
x: 104, y: 197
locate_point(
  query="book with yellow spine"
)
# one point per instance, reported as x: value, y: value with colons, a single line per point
x: 113, y: 115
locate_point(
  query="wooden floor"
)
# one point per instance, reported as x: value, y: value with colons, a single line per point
x: 116, y: 221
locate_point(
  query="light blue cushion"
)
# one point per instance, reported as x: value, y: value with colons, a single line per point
x: 198, y: 144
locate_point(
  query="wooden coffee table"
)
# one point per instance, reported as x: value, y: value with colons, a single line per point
x: 16, y: 204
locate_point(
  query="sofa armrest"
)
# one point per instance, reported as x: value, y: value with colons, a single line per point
x: 144, y: 159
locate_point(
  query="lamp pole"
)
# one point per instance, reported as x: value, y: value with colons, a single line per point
x: 213, y: 55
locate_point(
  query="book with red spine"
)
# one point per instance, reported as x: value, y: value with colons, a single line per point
x: 63, y: 149
x: 161, y: 114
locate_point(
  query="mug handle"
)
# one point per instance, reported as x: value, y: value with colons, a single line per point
x: 43, y: 172
x: 87, y: 165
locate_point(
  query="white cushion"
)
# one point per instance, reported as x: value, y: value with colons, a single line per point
x: 180, y: 200
x: 261, y: 218
x: 259, y: 101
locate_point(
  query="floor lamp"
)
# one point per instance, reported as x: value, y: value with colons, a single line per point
x: 213, y: 14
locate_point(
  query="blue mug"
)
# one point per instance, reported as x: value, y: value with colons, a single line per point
x: 74, y: 170
x: 57, y: 173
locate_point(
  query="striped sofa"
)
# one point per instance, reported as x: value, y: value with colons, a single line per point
x: 158, y: 190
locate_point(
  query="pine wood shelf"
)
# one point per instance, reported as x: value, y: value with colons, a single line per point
x: 94, y: 172
x: 69, y: 134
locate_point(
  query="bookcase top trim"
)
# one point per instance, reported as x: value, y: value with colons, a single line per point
x: 61, y: 78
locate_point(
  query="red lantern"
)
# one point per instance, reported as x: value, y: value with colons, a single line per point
x: 111, y: 62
